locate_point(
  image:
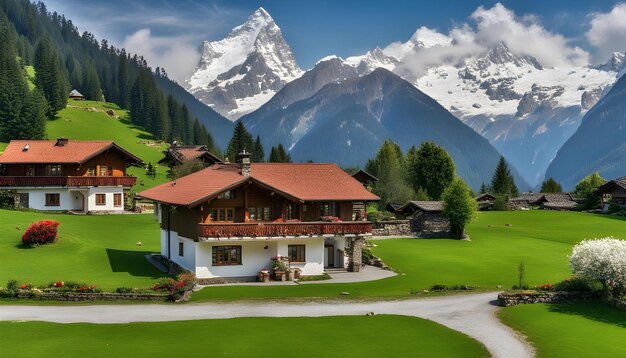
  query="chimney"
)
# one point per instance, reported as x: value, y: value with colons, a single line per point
x: 62, y: 141
x: 244, y: 159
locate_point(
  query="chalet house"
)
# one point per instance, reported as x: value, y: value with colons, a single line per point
x: 485, y: 201
x: 550, y: 201
x: 427, y: 218
x: 66, y: 175
x: 75, y: 95
x: 177, y: 154
x: 229, y: 220
x: 613, y: 191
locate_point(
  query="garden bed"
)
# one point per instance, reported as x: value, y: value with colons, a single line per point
x: 92, y: 296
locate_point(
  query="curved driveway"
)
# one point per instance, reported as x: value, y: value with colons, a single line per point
x: 472, y: 314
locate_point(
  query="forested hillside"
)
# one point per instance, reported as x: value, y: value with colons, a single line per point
x: 65, y: 59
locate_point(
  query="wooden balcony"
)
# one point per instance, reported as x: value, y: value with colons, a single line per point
x: 296, y: 229
x: 52, y: 181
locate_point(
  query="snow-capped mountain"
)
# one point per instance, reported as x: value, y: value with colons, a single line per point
x: 346, y: 122
x: 527, y: 111
x: 239, y: 73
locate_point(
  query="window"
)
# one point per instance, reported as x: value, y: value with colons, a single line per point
x: 54, y: 170
x: 296, y: 253
x: 101, y: 199
x: 181, y: 248
x: 91, y: 171
x: 29, y: 171
x: 227, y: 195
x: 117, y: 200
x: 103, y: 170
x: 226, y: 255
x: 328, y: 209
x: 259, y: 214
x: 223, y: 215
x: 53, y: 199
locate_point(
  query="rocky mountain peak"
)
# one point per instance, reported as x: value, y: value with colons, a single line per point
x: 239, y: 73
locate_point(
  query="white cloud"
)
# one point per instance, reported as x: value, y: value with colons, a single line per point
x: 608, y: 32
x: 175, y: 54
x: 524, y: 36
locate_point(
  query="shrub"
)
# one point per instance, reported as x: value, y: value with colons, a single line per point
x: 164, y: 284
x: 183, y: 282
x: 575, y: 284
x: 602, y: 260
x: 124, y: 290
x: 321, y: 277
x: 459, y: 207
x: 501, y: 203
x: 41, y: 232
x: 12, y: 286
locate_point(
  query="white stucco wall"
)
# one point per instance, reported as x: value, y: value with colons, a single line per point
x: 108, y: 191
x: 254, y: 257
x: 67, y: 200
x: 188, y: 260
x: 314, y: 254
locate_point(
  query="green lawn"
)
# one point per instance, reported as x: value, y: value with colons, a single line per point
x: 79, y: 123
x: 350, y: 336
x: 542, y: 239
x: 98, y: 250
x: 570, y: 330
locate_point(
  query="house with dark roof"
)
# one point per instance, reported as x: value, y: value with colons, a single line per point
x: 364, y: 177
x: 229, y: 220
x: 613, y: 191
x: 177, y: 154
x: 427, y: 218
x: 550, y: 201
x: 67, y: 175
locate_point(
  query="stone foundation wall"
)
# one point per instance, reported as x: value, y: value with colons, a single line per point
x: 430, y: 225
x: 513, y: 299
x: 392, y: 228
x: 354, y: 250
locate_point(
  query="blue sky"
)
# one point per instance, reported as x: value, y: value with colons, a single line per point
x: 318, y: 28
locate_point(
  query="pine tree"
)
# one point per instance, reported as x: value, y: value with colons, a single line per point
x: 258, y: 153
x: 551, y: 186
x: 278, y: 154
x: 241, y: 140
x: 33, y: 123
x: 123, y: 80
x: 429, y: 167
x: 502, y: 182
x: 91, y: 83
x: 13, y: 88
x: 50, y: 77
x: 387, y: 166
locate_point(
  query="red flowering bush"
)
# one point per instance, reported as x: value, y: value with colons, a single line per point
x: 41, y: 232
x: 183, y: 282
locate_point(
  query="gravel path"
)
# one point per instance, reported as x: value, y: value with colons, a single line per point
x: 472, y: 314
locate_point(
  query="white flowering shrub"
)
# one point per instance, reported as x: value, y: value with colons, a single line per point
x: 603, y: 260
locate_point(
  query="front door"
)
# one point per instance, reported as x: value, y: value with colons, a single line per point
x: 329, y: 256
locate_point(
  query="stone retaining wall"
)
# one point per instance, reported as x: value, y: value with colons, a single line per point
x: 431, y: 225
x: 518, y: 298
x: 86, y: 296
x: 392, y: 228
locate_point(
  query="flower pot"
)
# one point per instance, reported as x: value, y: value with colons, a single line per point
x: 280, y: 275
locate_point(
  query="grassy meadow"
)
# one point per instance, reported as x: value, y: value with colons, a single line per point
x: 570, y: 330
x: 98, y: 249
x: 349, y: 336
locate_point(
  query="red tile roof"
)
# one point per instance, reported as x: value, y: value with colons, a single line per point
x: 191, y: 152
x: 300, y: 181
x: 46, y: 151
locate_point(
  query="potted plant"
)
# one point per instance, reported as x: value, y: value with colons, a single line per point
x: 280, y: 268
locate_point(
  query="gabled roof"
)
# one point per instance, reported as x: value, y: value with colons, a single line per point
x: 392, y: 208
x: 619, y: 183
x: 49, y: 152
x: 427, y: 206
x: 75, y: 93
x: 188, y: 152
x: 364, y: 177
x: 485, y: 196
x: 539, y: 198
x: 297, y: 181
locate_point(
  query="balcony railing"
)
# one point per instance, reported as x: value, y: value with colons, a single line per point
x: 284, y: 229
x: 45, y: 181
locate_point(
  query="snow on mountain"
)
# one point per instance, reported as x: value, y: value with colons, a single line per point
x: 239, y: 73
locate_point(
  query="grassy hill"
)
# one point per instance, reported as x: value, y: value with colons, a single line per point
x: 84, y: 120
